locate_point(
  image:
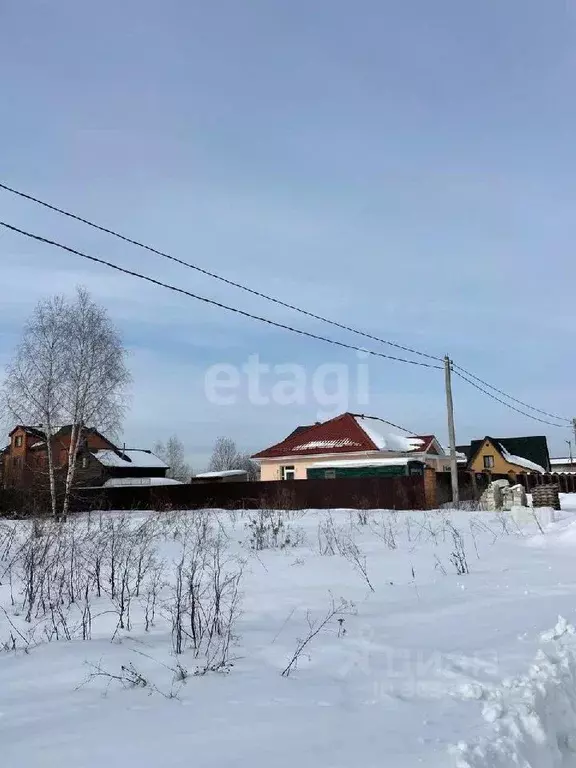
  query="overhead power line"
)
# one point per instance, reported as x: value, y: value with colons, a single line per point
x: 457, y: 368
x: 277, y: 301
x: 214, y: 275
x: 503, y: 402
x: 214, y: 303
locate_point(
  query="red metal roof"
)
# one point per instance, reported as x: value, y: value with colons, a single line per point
x: 339, y: 435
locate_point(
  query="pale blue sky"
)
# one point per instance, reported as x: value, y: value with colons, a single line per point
x: 405, y: 167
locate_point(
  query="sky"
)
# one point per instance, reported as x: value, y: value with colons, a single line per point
x: 408, y: 169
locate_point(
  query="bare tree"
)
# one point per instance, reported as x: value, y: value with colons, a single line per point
x: 250, y: 467
x: 226, y: 456
x: 69, y: 368
x: 173, y: 454
x: 96, y: 376
x: 33, y: 388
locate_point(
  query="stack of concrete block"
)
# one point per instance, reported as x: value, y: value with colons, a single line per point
x: 493, y: 497
x: 519, y: 496
x: 513, y: 496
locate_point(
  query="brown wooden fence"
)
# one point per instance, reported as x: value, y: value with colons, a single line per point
x: 473, y: 484
x: 565, y: 480
x: 428, y: 492
x: 355, y: 493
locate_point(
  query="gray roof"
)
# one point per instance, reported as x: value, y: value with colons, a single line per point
x: 130, y: 458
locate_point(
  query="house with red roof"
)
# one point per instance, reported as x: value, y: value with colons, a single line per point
x: 347, y: 440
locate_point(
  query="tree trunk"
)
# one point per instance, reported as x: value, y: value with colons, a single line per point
x: 51, y: 473
x: 75, y: 435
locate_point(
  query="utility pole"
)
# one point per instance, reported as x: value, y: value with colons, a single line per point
x: 574, y: 428
x: 452, y: 431
x: 570, y: 450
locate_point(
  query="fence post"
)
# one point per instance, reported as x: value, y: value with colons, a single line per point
x: 474, y: 484
x: 430, y: 488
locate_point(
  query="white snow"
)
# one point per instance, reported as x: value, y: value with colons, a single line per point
x: 376, y: 462
x: 520, y: 461
x: 109, y: 458
x: 116, y: 482
x: 460, y: 457
x: 135, y: 458
x: 224, y: 473
x: 433, y: 668
x: 343, y: 442
x: 387, y: 441
x: 532, y: 716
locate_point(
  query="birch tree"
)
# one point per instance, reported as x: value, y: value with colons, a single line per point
x: 70, y: 368
x: 33, y: 389
x: 94, y: 392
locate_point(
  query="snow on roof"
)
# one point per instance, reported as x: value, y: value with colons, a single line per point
x: 348, y: 433
x: 460, y: 456
x: 567, y: 460
x: 400, y: 462
x: 342, y: 442
x: 520, y: 461
x: 115, y: 482
x: 141, y: 458
x: 224, y: 473
x: 387, y: 442
x: 130, y: 458
x: 109, y: 458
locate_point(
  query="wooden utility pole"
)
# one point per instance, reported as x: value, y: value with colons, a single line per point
x: 452, y: 431
x: 574, y: 428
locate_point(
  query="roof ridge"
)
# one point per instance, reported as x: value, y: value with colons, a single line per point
x: 340, y: 434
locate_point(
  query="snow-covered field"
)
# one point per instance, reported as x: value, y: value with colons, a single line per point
x: 424, y: 629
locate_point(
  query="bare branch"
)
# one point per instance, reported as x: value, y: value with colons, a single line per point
x: 315, y: 626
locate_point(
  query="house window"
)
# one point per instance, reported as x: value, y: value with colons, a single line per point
x: 288, y: 473
x: 84, y: 462
x: 18, y: 441
x: 330, y: 474
x: 488, y: 462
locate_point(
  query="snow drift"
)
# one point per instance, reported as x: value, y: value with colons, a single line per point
x: 533, y: 718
